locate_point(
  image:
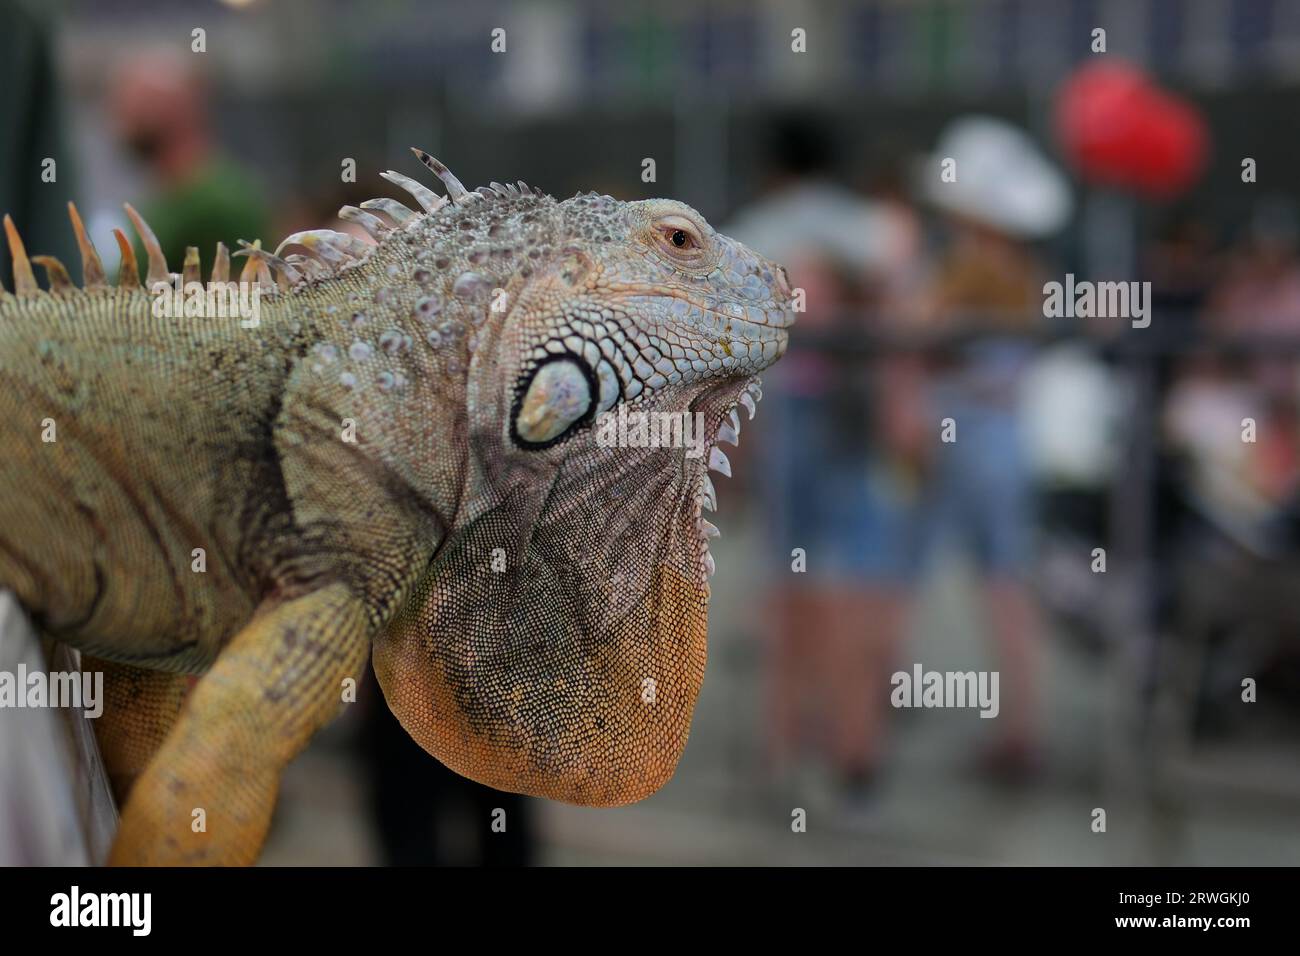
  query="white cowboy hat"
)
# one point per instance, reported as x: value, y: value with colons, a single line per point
x: 1001, y: 179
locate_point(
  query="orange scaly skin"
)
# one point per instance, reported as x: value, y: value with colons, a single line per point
x: 399, y: 459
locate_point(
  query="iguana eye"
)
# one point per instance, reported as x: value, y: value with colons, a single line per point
x: 680, y: 237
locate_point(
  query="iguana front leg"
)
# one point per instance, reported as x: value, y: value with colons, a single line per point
x: 140, y: 709
x: 207, y: 796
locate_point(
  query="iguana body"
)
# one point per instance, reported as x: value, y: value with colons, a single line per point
x: 400, y: 456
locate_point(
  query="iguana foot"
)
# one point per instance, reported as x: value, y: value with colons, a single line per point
x: 207, y: 797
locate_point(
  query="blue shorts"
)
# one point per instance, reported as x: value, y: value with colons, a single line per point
x: 980, y: 493
x: 849, y: 512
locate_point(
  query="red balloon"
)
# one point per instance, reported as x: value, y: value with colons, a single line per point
x: 1117, y: 129
x: 1174, y: 148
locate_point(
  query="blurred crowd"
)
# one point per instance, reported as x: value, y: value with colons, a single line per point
x: 939, y: 414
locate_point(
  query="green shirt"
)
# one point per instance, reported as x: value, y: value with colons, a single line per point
x: 218, y: 203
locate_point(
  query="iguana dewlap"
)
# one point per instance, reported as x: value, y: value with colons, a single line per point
x: 402, y: 455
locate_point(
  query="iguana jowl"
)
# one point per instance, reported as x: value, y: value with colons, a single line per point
x: 401, y: 456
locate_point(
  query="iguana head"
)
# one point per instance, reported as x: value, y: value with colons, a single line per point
x: 557, y: 642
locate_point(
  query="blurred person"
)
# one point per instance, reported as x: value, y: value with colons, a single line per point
x: 1260, y: 288
x: 1259, y: 294
x: 1236, y: 483
x: 160, y: 111
x: 31, y: 116
x: 989, y: 282
x: 1244, y: 486
x: 1229, y: 528
x: 834, y: 627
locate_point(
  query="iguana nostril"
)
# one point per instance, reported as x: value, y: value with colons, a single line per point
x: 782, y: 281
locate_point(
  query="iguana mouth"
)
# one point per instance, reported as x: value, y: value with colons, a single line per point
x: 726, y: 429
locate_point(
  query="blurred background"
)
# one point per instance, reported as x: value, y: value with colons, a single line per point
x: 1159, y: 150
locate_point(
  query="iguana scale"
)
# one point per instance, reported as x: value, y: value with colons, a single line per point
x: 535, y: 603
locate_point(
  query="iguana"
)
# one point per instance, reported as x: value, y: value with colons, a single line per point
x: 400, y: 459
